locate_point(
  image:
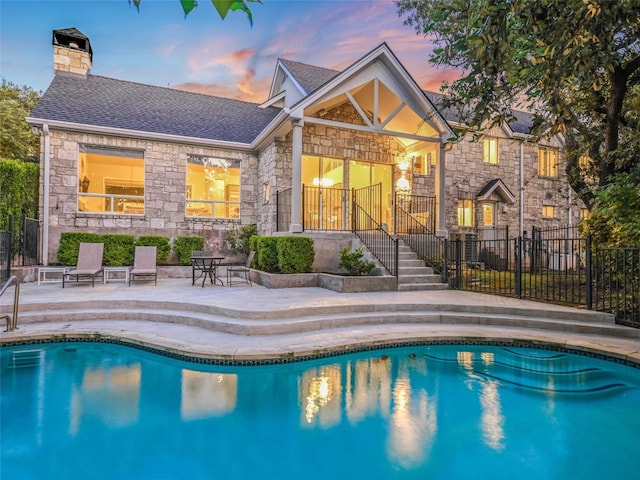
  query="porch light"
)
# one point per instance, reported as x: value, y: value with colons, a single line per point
x: 403, y: 185
x: 322, y: 182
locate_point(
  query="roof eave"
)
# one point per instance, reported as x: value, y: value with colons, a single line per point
x: 138, y: 134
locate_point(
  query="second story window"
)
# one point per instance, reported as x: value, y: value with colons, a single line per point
x: 490, y: 146
x: 548, y: 162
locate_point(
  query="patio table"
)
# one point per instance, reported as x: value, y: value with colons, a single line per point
x: 207, y: 265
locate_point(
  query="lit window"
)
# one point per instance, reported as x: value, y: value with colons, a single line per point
x: 488, y: 214
x: 110, y: 181
x: 548, y: 162
x: 584, y: 162
x: 465, y: 212
x: 490, y: 150
x: 584, y: 213
x: 213, y: 187
x: 548, y: 211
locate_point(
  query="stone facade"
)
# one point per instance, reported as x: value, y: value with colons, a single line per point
x: 165, y: 187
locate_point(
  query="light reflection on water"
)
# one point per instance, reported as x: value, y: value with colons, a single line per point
x: 408, y: 404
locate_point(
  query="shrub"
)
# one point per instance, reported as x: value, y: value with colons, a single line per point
x: 118, y: 249
x: 266, y: 249
x: 239, y: 239
x: 353, y: 262
x: 295, y: 254
x: 183, y: 246
x: 70, y: 245
x: 162, y: 244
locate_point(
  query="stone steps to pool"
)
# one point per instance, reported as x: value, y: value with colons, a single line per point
x: 309, y: 319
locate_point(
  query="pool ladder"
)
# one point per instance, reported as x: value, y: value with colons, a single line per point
x: 12, y: 321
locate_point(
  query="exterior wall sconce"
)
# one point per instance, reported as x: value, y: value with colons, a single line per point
x: 402, y: 185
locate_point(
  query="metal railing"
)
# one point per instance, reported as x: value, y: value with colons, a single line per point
x: 12, y: 320
x: 325, y: 208
x: 420, y: 238
x: 616, y: 283
x: 5, y: 254
x: 382, y: 245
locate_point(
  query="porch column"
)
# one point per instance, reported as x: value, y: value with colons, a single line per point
x: 441, y: 230
x: 296, y: 176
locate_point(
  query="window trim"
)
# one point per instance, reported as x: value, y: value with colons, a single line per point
x: 545, y: 168
x: 488, y: 141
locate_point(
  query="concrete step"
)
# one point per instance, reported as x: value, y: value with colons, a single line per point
x: 404, y: 270
x: 410, y: 263
x: 414, y: 287
x: 424, y: 278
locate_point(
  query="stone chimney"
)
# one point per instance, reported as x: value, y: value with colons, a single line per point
x: 71, y: 51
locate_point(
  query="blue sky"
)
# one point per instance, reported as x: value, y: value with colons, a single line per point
x: 203, y: 53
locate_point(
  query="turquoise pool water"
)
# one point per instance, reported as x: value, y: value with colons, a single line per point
x: 104, y: 411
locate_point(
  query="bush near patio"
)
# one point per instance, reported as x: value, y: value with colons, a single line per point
x: 162, y: 244
x: 286, y: 254
x: 183, y: 246
x: 70, y: 245
x: 118, y: 249
x: 353, y: 261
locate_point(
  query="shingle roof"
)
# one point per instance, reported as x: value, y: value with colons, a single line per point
x: 309, y: 77
x: 106, y: 102
x: 523, y: 122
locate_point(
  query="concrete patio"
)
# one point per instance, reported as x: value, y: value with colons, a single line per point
x: 247, y: 323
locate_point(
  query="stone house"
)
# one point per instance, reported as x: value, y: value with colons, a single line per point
x: 119, y: 156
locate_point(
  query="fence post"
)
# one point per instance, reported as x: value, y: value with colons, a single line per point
x: 277, y: 210
x: 10, y: 246
x: 517, y: 251
x: 458, y: 264
x: 588, y: 268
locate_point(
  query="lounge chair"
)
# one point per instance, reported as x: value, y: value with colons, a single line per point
x: 144, y: 265
x: 242, y: 271
x: 89, y: 263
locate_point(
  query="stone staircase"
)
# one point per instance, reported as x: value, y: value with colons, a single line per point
x: 413, y: 274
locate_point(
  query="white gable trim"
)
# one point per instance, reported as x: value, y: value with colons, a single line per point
x: 277, y: 84
x: 391, y: 72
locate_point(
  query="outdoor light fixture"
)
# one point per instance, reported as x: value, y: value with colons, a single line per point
x: 322, y: 182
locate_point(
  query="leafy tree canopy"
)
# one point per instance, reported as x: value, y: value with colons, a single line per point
x: 222, y: 6
x: 17, y: 141
x: 575, y: 64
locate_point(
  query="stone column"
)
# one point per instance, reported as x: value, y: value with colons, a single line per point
x: 296, y: 176
x: 441, y: 230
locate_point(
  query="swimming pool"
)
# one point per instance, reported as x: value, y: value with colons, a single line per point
x: 109, y: 411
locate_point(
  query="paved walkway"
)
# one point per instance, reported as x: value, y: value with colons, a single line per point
x: 254, y: 323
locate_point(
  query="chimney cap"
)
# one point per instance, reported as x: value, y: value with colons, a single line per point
x: 72, y: 38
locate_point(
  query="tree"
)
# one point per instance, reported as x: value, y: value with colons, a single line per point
x: 575, y: 64
x: 222, y: 6
x: 17, y: 141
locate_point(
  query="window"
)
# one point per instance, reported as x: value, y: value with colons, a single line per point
x: 548, y: 211
x: 465, y: 212
x: 548, y: 162
x: 110, y: 181
x: 584, y: 162
x: 490, y: 150
x: 213, y: 187
x: 584, y: 213
x: 423, y: 161
x: 488, y: 215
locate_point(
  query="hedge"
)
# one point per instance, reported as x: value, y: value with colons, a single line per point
x: 183, y: 246
x: 118, y: 249
x: 162, y: 244
x: 286, y: 254
x: 70, y: 245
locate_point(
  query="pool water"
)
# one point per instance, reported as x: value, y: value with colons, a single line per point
x: 104, y: 411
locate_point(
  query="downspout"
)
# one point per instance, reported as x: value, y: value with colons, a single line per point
x: 521, y: 199
x: 570, y: 209
x: 45, y: 205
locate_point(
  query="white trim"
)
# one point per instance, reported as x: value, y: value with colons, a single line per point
x: 361, y: 128
x: 275, y: 99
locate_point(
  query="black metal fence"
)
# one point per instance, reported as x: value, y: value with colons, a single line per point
x: 19, y: 244
x: 382, y: 245
x: 556, y: 266
x: 325, y: 208
x: 5, y: 255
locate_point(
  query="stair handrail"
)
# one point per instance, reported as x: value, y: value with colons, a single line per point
x: 425, y: 243
x: 12, y: 322
x: 388, y: 257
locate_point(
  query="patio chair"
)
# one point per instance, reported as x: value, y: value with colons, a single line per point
x: 241, y: 271
x: 144, y: 265
x: 89, y: 263
x: 198, y: 265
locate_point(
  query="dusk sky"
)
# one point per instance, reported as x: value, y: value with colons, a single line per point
x: 203, y: 53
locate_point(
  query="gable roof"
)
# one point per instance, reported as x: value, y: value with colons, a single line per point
x: 309, y: 77
x: 498, y: 187
x: 118, y: 104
